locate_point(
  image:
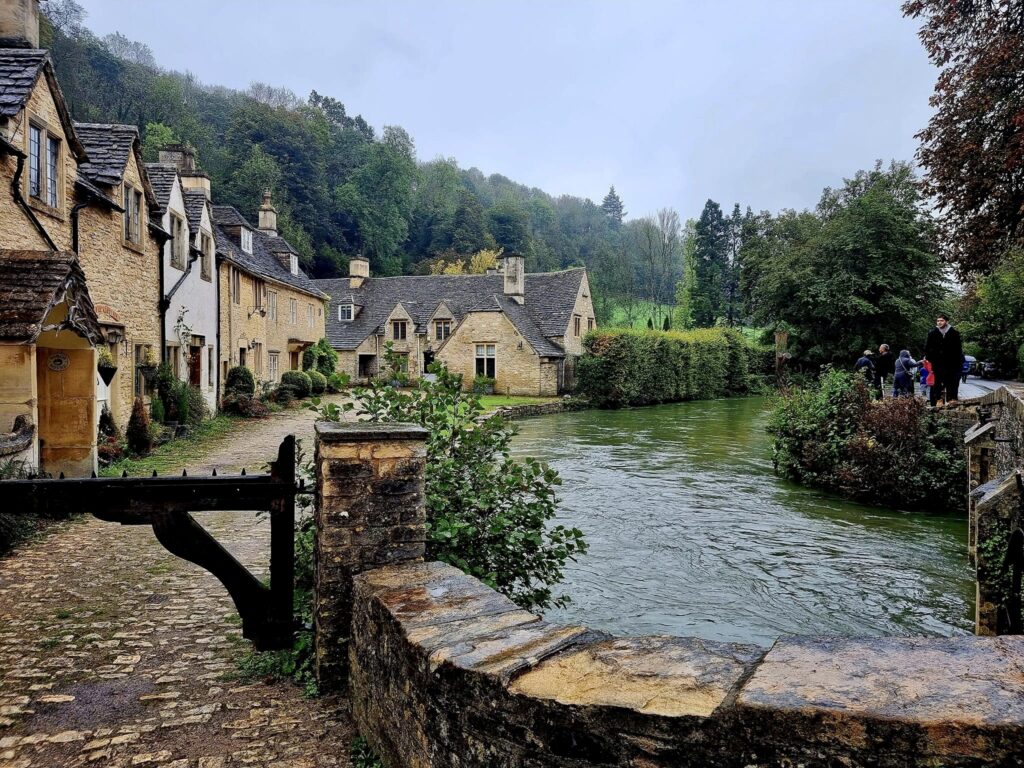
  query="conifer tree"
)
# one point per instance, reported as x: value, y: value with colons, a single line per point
x: 613, y: 208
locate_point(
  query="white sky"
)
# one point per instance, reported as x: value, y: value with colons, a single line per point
x: 761, y: 102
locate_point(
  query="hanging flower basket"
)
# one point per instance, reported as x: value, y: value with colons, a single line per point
x: 148, y: 371
x: 106, y: 371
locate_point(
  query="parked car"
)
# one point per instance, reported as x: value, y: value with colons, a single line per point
x: 990, y: 370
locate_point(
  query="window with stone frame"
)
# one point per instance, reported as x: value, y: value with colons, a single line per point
x: 575, y: 325
x: 442, y: 329
x: 309, y: 316
x: 399, y: 330
x: 272, y: 305
x: 590, y: 323
x: 35, y: 161
x: 133, y: 211
x: 236, y: 286
x: 485, y: 360
x: 178, y: 242
x: 246, y: 240
x: 52, y: 171
x: 273, y: 364
x: 293, y: 311
x: 211, y: 366
x: 206, y: 246
x: 257, y: 293
x: 345, y: 312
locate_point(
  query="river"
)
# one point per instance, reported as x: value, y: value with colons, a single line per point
x: 691, y: 533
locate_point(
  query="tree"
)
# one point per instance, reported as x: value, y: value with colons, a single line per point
x: 995, y: 314
x: 860, y: 271
x: 973, y: 147
x: 509, y: 224
x: 156, y: 135
x: 469, y: 225
x: 613, y: 208
x: 683, y: 314
x: 711, y: 264
x: 129, y: 50
x: 657, y: 246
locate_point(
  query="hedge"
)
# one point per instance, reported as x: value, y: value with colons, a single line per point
x: 298, y: 381
x: 623, y: 367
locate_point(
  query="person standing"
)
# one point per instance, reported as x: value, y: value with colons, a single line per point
x: 903, y: 377
x: 866, y: 367
x: 944, y: 349
x: 885, y: 366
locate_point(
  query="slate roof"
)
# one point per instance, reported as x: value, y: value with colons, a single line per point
x: 550, y: 298
x: 19, y: 70
x: 161, y: 176
x: 261, y: 261
x: 195, y: 200
x: 32, y: 283
x: 108, y: 147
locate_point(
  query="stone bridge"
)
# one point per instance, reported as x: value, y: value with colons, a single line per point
x: 443, y: 672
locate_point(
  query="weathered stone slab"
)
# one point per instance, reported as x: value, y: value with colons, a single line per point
x: 957, y: 699
x: 670, y: 676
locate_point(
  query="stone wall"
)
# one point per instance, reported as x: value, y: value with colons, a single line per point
x: 443, y: 671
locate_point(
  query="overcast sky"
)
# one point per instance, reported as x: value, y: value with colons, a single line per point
x: 761, y: 102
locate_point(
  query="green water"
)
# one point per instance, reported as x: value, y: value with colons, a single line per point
x: 691, y: 533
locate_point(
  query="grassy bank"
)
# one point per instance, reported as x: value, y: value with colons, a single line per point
x: 176, y: 454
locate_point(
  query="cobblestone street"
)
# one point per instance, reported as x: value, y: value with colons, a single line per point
x: 113, y: 652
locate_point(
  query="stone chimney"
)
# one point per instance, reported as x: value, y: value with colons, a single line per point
x: 513, y: 267
x: 183, y: 157
x: 358, y: 271
x: 19, y: 23
x: 268, y: 216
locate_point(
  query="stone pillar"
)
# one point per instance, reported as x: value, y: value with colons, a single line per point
x: 369, y: 513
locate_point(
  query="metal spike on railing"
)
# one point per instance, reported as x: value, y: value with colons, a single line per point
x: 61, y: 476
x: 154, y: 473
x: 243, y: 471
x: 184, y: 473
x: 214, y: 471
x: 125, y: 473
x: 94, y: 474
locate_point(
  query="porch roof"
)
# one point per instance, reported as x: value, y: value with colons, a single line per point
x: 32, y: 283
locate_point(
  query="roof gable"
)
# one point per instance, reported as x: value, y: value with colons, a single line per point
x: 163, y: 177
x: 109, y: 146
x: 19, y: 72
x: 32, y: 283
x: 196, y: 209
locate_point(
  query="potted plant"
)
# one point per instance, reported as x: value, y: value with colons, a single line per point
x: 105, y: 366
x: 148, y: 366
x: 483, y: 385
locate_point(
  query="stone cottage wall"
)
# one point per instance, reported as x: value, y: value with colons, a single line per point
x: 442, y: 671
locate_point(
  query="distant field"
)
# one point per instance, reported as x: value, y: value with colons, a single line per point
x: 646, y: 309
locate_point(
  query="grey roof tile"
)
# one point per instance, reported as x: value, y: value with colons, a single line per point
x: 108, y: 147
x: 19, y: 70
x: 550, y: 297
x: 162, y: 176
x: 195, y: 201
x: 262, y: 260
x: 31, y: 282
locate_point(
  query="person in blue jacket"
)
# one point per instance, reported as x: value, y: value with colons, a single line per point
x: 903, y: 380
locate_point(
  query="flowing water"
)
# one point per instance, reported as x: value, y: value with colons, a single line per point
x: 691, y: 533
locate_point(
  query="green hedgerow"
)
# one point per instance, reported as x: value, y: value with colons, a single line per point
x: 240, y: 381
x: 317, y: 382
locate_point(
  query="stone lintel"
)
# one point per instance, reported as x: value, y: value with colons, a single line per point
x: 981, y: 434
x: 945, y: 682
x: 1001, y: 491
x: 667, y: 676
x: 365, y: 431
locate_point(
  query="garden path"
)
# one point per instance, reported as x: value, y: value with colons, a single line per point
x: 113, y: 652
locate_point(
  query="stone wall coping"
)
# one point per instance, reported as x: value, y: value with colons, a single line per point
x: 366, y: 431
x: 469, y: 657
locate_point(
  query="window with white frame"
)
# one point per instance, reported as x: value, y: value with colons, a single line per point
x: 309, y: 315
x: 179, y: 242
x: 485, y: 360
x: 345, y: 312
x: 293, y: 308
x: 442, y: 329
x: 236, y: 286
x: 272, y: 366
x: 295, y: 264
x: 206, y: 246
x: 246, y: 240
x: 272, y: 305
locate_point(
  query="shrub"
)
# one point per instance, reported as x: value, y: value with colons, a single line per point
x: 240, y: 381
x: 156, y: 410
x: 198, y: 410
x: 483, y: 385
x: 487, y: 513
x: 165, y: 381
x: 139, y: 433
x: 180, y: 399
x: 249, y: 406
x: 107, y: 425
x: 623, y: 367
x: 298, y: 381
x: 895, y: 452
x: 317, y: 382
x: 283, y: 396
x: 320, y: 357
x: 336, y: 382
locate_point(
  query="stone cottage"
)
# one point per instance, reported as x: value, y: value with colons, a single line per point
x: 270, y: 311
x: 525, y: 331
x: 120, y: 250
x: 189, y: 293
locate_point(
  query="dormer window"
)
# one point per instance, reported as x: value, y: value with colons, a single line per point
x: 246, y: 240
x: 295, y: 264
x: 345, y: 312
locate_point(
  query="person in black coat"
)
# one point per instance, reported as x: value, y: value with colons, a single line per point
x: 945, y: 351
x: 885, y: 366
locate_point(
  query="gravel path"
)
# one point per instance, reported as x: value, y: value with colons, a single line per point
x: 113, y: 652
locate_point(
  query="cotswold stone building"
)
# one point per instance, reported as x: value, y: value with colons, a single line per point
x: 525, y: 331
x: 270, y: 311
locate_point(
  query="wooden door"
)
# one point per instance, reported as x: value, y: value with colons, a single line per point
x: 67, y: 408
x: 195, y: 366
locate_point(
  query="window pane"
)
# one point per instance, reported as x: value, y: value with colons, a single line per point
x: 479, y: 350
x: 490, y: 367
x: 34, y: 158
x: 490, y: 350
x: 52, y: 170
